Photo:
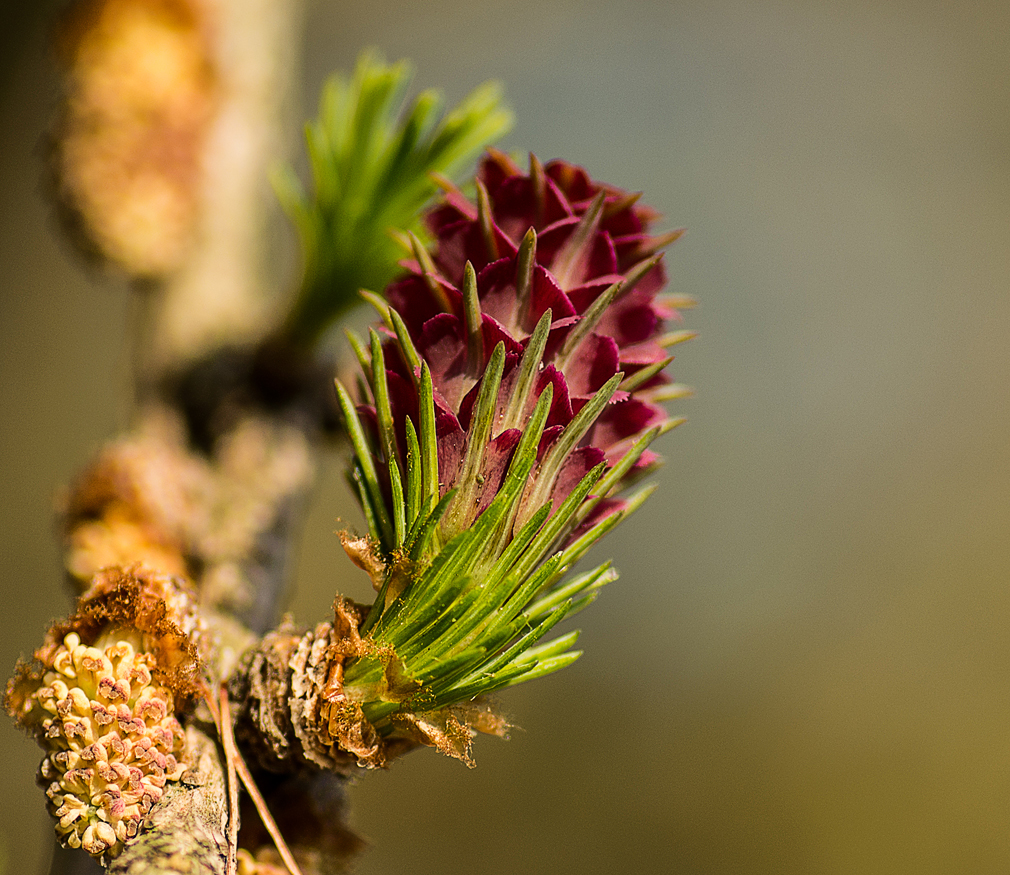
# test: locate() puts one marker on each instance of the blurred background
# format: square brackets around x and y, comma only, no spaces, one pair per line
[804,665]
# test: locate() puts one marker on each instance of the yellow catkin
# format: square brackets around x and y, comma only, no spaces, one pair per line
[111,741]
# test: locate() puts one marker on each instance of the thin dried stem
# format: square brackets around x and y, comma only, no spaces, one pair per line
[235,763]
[230,754]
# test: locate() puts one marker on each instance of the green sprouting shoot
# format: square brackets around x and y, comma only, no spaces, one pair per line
[372,159]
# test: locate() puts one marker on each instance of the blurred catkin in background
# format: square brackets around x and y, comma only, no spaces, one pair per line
[803,667]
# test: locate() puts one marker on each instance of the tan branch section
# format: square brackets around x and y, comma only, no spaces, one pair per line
[148,498]
[161,161]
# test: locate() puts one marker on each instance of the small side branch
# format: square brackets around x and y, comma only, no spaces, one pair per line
[237,767]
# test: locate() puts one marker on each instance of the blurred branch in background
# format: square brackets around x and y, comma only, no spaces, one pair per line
[174,113]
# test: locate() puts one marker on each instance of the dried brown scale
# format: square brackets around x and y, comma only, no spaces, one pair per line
[291,712]
[159,607]
[259,688]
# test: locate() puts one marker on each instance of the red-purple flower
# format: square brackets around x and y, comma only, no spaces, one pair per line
[590,262]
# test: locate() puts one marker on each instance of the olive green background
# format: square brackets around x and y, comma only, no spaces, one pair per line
[803,668]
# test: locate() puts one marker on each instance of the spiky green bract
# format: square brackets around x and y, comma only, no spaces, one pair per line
[372,163]
[470,616]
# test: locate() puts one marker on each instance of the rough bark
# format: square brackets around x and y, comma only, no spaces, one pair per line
[186,832]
